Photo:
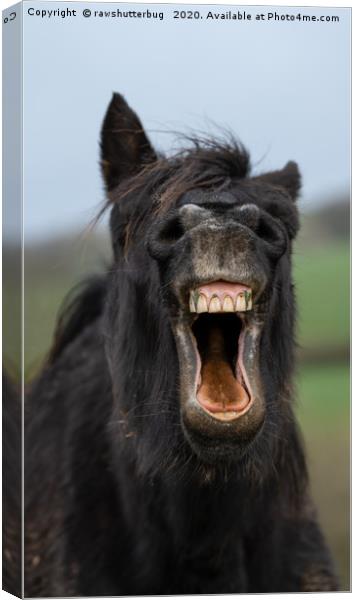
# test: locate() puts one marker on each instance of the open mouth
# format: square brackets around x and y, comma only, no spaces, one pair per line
[222,386]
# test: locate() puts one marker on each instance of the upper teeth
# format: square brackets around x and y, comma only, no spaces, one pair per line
[240,302]
[201,305]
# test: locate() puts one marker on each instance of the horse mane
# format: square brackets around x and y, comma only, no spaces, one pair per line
[205,163]
[81,307]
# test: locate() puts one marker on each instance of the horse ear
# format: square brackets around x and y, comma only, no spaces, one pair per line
[125,148]
[288,178]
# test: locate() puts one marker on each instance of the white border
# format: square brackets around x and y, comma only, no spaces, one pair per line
[307,3]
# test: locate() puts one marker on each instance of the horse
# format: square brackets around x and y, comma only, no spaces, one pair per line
[162,452]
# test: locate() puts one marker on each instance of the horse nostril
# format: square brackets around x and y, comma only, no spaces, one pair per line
[171,232]
[164,237]
[269,231]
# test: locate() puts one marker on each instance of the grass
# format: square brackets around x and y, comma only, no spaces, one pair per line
[42,305]
[323,410]
[323,391]
[322,284]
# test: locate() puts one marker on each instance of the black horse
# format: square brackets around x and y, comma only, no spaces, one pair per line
[162,452]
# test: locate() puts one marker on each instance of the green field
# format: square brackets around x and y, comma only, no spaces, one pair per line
[322,283]
[323,403]
[323,408]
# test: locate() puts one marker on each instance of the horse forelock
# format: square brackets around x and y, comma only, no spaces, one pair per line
[207,163]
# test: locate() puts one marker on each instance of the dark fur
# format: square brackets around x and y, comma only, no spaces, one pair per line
[118,501]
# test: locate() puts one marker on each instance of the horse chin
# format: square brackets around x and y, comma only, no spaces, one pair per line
[221,394]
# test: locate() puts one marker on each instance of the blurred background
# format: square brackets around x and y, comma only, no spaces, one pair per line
[284,89]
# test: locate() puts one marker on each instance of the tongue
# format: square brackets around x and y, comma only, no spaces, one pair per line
[220,392]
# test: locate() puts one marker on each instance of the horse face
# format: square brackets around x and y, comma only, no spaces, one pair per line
[221,259]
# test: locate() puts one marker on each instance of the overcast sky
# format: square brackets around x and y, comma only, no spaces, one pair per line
[281,86]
